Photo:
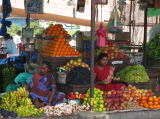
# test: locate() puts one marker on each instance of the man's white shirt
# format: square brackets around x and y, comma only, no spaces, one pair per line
[17,39]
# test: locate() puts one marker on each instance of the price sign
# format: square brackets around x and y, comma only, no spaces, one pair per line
[27,32]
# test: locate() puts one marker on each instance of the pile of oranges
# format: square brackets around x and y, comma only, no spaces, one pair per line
[150,102]
[59,47]
[55,30]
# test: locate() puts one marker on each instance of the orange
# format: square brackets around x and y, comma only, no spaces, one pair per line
[156,103]
[154,106]
[151,106]
[155,99]
[143,98]
[150,99]
[150,103]
[141,104]
[59,49]
[67,49]
[146,106]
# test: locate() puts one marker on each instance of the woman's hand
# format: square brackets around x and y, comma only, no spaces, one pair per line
[116,79]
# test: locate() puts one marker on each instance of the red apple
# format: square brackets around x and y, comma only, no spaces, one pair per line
[152,94]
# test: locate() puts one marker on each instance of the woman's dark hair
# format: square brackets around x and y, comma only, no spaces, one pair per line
[48,64]
[8,36]
[101,56]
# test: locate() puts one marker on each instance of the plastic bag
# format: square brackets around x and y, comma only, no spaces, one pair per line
[61,77]
[153,12]
[12,87]
[153,31]
[23,78]
[157,85]
[114,24]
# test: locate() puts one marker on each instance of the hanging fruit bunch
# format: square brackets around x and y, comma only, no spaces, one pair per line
[9,74]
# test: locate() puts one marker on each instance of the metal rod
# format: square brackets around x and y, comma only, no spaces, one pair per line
[28,57]
[145,37]
[130,15]
[92,52]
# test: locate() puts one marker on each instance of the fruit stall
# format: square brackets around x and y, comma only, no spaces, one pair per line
[72,71]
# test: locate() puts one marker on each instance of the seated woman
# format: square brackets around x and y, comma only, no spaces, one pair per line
[104,75]
[43,89]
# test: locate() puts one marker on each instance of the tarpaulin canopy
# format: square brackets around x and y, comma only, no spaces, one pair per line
[54,17]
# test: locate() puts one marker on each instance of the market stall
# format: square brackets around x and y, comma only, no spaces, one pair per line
[74,76]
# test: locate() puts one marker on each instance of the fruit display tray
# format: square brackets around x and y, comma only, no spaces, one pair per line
[50,37]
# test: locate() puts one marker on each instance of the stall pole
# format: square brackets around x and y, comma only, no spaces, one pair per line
[28,40]
[145,37]
[92,53]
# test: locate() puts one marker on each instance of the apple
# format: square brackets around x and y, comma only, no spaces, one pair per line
[152,94]
[118,91]
[117,108]
[149,90]
[113,92]
[133,91]
[132,94]
[120,95]
[120,108]
[109,92]
[71,61]
[148,94]
[129,86]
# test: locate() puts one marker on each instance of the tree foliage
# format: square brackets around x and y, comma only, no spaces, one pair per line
[13,29]
[37,27]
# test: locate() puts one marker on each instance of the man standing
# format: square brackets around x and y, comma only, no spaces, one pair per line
[11,49]
[17,39]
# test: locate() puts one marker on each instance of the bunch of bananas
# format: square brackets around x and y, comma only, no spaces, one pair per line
[25,101]
[9,74]
[153,47]
[29,110]
[20,102]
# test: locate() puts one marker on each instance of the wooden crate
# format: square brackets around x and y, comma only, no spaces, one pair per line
[153,72]
[152,62]
[72,88]
[143,85]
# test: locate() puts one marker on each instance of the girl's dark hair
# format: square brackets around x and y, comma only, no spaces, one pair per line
[101,56]
[8,36]
[48,64]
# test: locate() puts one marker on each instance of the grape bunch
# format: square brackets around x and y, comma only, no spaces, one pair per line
[78,76]
[133,74]
[7,114]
